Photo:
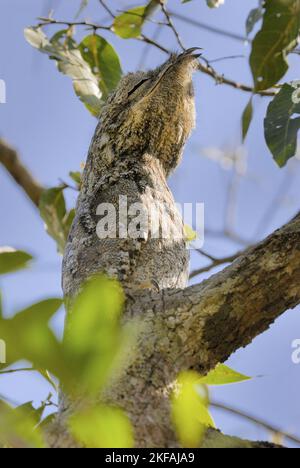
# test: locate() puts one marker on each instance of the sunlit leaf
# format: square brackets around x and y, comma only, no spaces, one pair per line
[190,412]
[66,53]
[18,428]
[222,375]
[95,343]
[129,24]
[47,422]
[190,234]
[282,123]
[103,60]
[28,336]
[57,220]
[102,427]
[12,260]
[76,177]
[247,119]
[277,37]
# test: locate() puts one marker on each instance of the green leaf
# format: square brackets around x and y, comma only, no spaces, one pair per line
[190,234]
[103,60]
[277,37]
[13,260]
[130,23]
[96,345]
[28,336]
[67,55]
[247,119]
[190,412]
[18,428]
[76,177]
[254,17]
[282,124]
[46,422]
[102,427]
[34,413]
[57,220]
[222,375]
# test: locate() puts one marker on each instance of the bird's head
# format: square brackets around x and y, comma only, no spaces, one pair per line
[154,111]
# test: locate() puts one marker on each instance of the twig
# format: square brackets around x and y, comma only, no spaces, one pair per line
[207,69]
[229,234]
[49,21]
[9,159]
[255,420]
[14,371]
[144,18]
[147,49]
[150,41]
[221,79]
[106,7]
[209,28]
[171,24]
[214,263]
[229,57]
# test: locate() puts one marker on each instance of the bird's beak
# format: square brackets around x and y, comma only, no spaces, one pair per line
[190,53]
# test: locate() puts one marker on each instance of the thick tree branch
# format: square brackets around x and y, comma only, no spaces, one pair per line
[58,437]
[10,160]
[215,439]
[201,326]
[204,324]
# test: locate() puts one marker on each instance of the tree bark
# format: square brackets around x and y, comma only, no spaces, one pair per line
[203,325]
[194,328]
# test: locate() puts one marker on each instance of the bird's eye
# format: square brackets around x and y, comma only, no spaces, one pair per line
[137,86]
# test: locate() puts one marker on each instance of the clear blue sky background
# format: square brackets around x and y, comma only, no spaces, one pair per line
[52,131]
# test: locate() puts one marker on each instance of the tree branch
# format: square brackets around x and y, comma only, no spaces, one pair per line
[215,439]
[214,263]
[221,79]
[207,68]
[255,420]
[10,160]
[204,324]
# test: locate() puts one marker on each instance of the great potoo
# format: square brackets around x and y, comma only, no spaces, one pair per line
[138,142]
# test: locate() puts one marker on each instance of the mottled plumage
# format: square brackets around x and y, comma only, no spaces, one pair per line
[139,140]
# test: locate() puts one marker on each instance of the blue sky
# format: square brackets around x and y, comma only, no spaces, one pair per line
[51,129]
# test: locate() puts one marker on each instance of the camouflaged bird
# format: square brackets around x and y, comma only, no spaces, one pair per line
[138,142]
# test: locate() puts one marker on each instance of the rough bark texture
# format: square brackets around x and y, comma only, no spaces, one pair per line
[203,325]
[139,140]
